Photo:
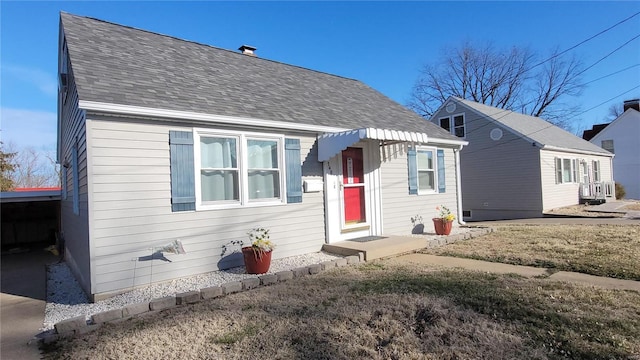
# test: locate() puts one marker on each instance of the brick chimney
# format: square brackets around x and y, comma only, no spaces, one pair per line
[631,104]
[247,50]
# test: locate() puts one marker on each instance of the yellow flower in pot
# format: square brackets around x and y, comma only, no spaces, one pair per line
[444,221]
[257,256]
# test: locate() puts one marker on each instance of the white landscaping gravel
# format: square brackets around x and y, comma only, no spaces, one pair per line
[65,298]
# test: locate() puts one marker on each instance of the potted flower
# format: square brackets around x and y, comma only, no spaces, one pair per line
[444,221]
[257,256]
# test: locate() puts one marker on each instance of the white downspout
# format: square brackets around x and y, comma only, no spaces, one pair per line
[458,185]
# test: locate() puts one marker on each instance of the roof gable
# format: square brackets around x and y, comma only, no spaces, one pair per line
[531,128]
[628,118]
[126,66]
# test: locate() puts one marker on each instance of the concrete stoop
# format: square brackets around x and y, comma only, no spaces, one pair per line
[80,325]
[396,245]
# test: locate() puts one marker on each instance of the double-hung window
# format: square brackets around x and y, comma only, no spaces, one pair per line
[426,170]
[454,124]
[596,170]
[566,170]
[238,169]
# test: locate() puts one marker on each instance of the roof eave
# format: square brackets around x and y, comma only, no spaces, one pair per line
[577,151]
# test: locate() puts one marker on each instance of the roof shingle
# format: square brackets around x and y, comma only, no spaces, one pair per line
[122,65]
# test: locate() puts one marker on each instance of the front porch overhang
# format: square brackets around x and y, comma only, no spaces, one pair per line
[331,144]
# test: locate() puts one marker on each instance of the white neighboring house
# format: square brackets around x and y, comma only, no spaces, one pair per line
[519,166]
[164,139]
[622,137]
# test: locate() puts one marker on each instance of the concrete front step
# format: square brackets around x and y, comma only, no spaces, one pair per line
[396,245]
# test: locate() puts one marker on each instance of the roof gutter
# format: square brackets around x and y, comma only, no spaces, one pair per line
[188,115]
[578,151]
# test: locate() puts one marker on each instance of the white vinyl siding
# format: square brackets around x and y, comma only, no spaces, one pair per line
[398,206]
[131,210]
[74,208]
[556,195]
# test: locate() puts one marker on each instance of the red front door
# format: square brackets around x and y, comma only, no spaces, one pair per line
[353,186]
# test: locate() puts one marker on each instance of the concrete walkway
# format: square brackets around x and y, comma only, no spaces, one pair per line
[22,302]
[526,271]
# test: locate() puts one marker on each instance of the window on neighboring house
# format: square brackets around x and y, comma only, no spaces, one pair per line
[596,170]
[458,126]
[445,123]
[239,169]
[608,145]
[454,125]
[75,180]
[566,170]
[426,170]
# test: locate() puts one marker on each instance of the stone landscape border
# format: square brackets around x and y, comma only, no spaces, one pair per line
[79,324]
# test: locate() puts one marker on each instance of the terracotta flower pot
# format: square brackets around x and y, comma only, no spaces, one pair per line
[256,262]
[442,227]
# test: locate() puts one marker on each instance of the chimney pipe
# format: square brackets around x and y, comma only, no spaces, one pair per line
[631,104]
[247,50]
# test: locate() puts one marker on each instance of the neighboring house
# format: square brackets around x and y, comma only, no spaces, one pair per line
[519,166]
[622,137]
[164,139]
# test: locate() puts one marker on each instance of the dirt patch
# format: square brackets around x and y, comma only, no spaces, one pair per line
[633,206]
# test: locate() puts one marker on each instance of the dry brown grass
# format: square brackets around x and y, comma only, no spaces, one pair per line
[382,311]
[603,250]
[634,206]
[582,211]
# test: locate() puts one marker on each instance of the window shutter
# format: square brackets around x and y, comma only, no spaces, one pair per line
[183,191]
[413,172]
[441,177]
[294,170]
[558,163]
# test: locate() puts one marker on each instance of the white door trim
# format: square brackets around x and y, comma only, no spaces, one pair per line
[334,212]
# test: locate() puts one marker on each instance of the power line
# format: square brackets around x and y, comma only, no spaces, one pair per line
[584,41]
[609,54]
[613,73]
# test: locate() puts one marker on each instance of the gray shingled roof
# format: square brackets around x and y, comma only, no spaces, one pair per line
[534,128]
[122,65]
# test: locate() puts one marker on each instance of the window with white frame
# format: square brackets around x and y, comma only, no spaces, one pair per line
[426,170]
[566,170]
[239,169]
[596,170]
[454,124]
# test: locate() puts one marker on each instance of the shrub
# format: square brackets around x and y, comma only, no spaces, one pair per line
[620,193]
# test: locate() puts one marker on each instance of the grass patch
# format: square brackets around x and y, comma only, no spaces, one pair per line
[382,312]
[602,250]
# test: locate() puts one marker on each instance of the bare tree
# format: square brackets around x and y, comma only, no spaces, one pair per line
[34,168]
[8,166]
[510,79]
[614,112]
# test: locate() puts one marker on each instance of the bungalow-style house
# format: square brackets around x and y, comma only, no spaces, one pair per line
[163,139]
[519,166]
[622,137]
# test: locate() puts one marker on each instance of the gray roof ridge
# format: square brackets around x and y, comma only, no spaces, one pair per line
[207,45]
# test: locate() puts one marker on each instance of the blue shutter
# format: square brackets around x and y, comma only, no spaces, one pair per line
[183,191]
[441,177]
[294,170]
[413,172]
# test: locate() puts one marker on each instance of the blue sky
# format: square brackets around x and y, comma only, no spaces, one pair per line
[383,44]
